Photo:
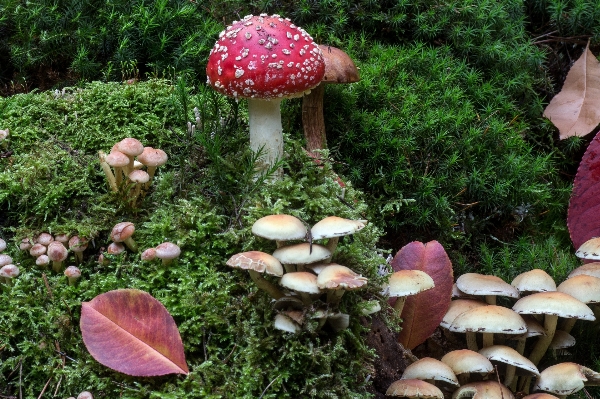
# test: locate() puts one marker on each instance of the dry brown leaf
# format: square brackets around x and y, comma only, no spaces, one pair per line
[575,111]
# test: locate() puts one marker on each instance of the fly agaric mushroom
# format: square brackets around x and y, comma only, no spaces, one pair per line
[167,252]
[265,59]
[339,68]
[122,232]
[257,263]
[152,158]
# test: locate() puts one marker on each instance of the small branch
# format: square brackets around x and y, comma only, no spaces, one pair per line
[268,386]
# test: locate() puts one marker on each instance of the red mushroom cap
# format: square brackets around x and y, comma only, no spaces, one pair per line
[264,57]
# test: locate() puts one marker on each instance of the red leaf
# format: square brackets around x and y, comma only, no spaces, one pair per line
[584,207]
[423,312]
[131,332]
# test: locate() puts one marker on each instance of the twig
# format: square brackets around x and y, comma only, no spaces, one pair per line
[268,386]
[545,34]
[47,285]
[21,379]
[44,389]
[230,353]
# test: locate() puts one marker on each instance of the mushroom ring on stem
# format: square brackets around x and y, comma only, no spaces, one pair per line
[265,59]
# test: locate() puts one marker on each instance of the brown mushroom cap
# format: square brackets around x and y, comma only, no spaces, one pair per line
[467,361]
[489,319]
[122,231]
[148,254]
[44,239]
[339,67]
[300,282]
[334,226]
[37,250]
[481,284]
[508,355]
[413,388]
[153,157]
[591,269]
[115,248]
[300,254]
[72,272]
[9,271]
[409,282]
[337,276]
[279,227]
[167,251]
[459,306]
[260,262]
[583,287]
[535,280]
[553,303]
[483,390]
[57,252]
[565,378]
[78,244]
[428,368]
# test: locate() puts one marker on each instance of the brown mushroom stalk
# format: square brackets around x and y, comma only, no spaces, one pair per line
[264,285]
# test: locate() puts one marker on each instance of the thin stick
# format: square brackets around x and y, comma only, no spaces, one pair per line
[44,389]
[268,386]
[21,379]
[47,285]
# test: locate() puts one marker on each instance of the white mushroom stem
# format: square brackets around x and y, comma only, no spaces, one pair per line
[265,285]
[335,295]
[108,172]
[131,244]
[488,339]
[568,325]
[490,299]
[118,176]
[331,246]
[472,341]
[150,170]
[266,132]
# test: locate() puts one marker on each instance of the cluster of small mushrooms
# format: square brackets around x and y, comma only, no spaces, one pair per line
[308,280]
[503,334]
[127,159]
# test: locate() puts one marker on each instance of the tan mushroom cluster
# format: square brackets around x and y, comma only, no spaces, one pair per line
[537,306]
[124,165]
[308,280]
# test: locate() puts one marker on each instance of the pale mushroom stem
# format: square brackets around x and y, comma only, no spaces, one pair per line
[399,305]
[136,193]
[131,244]
[568,325]
[265,285]
[520,348]
[107,171]
[509,378]
[331,246]
[150,170]
[544,341]
[57,266]
[266,132]
[118,176]
[472,341]
[488,339]
[490,299]
[335,295]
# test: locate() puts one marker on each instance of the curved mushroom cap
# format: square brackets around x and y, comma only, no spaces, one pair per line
[72,272]
[139,176]
[41,260]
[590,269]
[318,267]
[413,388]
[2,245]
[57,252]
[535,280]
[5,260]
[562,340]
[148,254]
[258,261]
[300,282]
[565,378]
[85,395]
[483,390]
[37,249]
[9,271]
[25,244]
[300,254]
[44,239]
[554,303]
[489,319]
[153,157]
[482,284]
[78,244]
[117,159]
[340,277]
[122,231]
[339,67]
[285,323]
[115,248]
[540,395]
[534,328]
[167,250]
[333,226]
[583,287]
[467,361]
[264,57]
[279,227]
[508,355]
[589,249]
[459,306]
[130,147]
[409,282]
[428,368]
